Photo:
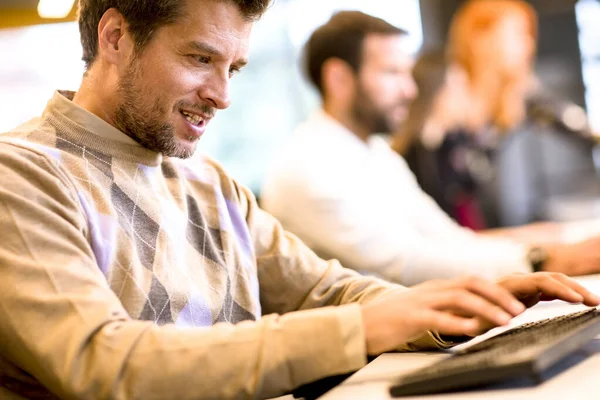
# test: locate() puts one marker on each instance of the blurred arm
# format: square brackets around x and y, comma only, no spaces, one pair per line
[407,242]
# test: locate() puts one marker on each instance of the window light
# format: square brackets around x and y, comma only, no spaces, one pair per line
[55,8]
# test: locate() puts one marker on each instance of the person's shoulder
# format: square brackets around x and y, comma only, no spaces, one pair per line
[383,145]
[383,148]
[35,136]
[36,163]
[20,148]
[316,131]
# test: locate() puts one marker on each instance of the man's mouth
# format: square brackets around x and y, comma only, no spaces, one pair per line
[192,118]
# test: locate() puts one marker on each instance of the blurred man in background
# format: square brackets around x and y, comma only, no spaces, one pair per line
[487,69]
[343,191]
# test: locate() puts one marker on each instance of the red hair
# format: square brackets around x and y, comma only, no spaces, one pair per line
[502,90]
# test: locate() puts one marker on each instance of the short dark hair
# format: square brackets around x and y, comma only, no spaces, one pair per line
[342,37]
[144,17]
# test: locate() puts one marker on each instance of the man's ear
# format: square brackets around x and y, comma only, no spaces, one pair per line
[115,44]
[338,77]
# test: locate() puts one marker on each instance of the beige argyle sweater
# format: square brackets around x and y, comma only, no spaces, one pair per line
[128,275]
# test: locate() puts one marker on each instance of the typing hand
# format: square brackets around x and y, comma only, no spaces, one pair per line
[457,307]
[542,286]
[461,307]
[530,289]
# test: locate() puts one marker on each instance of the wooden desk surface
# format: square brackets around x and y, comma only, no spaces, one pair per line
[577,377]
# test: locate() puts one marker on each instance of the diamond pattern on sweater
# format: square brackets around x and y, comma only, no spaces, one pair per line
[158,306]
[232,311]
[140,228]
[205,240]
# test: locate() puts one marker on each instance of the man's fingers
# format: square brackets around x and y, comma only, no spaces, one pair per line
[552,287]
[449,324]
[493,293]
[588,298]
[463,302]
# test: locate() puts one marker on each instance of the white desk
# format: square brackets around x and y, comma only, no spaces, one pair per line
[577,377]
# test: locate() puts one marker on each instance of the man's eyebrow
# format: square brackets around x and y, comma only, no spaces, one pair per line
[241,63]
[213,51]
[205,48]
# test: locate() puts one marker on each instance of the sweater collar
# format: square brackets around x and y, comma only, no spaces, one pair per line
[62,102]
[93,132]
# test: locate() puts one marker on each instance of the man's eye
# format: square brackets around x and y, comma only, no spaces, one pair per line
[202,59]
[233,71]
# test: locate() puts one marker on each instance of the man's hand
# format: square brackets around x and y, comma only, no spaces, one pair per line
[581,258]
[529,289]
[461,307]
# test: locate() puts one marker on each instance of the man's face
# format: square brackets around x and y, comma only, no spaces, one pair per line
[384,84]
[169,92]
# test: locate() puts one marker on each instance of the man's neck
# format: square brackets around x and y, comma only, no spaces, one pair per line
[94,96]
[348,121]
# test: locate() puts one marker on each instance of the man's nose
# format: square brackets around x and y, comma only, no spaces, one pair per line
[216,92]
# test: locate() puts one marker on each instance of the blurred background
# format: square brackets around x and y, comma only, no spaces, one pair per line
[544,172]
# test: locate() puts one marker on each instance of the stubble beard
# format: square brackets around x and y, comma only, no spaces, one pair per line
[365,112]
[147,125]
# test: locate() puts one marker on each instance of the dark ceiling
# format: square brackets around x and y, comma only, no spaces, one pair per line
[14,4]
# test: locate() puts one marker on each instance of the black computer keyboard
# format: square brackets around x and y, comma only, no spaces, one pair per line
[527,349]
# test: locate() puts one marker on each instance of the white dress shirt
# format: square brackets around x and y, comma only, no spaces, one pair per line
[360,203]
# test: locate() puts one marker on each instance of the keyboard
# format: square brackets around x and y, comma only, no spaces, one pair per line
[526,350]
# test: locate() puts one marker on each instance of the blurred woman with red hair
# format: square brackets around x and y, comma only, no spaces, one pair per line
[483,81]
[494,43]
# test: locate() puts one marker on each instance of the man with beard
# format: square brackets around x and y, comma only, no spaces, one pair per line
[128,272]
[347,195]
